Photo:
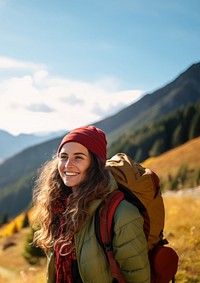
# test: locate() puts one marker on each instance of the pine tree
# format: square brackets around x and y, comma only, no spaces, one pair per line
[3,218]
[194,127]
[32,253]
[157,148]
[25,221]
[178,136]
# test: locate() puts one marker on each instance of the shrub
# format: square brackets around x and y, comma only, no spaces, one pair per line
[32,253]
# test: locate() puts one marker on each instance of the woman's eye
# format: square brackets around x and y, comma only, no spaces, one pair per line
[79,157]
[63,157]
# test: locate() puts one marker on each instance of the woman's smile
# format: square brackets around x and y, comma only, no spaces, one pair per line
[71,174]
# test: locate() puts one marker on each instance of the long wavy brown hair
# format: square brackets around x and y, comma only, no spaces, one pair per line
[56,206]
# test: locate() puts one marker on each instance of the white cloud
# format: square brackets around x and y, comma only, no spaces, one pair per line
[9,63]
[39,76]
[37,102]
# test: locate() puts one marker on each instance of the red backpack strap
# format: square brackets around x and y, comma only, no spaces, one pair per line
[106,216]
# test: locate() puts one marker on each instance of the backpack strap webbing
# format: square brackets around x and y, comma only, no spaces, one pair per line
[106,216]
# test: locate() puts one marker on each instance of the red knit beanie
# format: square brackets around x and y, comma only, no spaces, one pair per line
[91,137]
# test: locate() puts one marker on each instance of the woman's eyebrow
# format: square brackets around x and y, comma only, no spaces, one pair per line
[63,153]
[78,153]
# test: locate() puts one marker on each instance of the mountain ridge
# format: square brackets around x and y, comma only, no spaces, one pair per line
[11,144]
[165,98]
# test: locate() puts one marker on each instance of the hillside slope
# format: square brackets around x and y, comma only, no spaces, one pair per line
[170,162]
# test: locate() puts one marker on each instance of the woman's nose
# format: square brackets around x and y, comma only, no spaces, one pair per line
[69,163]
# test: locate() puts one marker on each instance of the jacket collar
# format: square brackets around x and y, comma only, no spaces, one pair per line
[95,203]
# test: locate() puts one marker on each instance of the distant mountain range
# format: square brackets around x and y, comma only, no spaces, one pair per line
[10,144]
[17,173]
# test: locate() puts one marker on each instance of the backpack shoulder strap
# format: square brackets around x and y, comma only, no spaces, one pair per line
[104,222]
[107,214]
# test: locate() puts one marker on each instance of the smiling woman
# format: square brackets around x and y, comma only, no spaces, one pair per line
[69,190]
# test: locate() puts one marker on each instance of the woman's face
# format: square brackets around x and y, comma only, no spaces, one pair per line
[74,160]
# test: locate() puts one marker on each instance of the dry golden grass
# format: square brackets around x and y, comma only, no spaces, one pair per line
[13,267]
[171,161]
[182,229]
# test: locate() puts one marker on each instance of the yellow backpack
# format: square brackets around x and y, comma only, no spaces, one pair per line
[139,186]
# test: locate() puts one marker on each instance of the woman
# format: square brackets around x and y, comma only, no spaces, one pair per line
[68,191]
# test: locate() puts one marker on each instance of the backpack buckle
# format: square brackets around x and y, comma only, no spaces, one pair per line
[108,246]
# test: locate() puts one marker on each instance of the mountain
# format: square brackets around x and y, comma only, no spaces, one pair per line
[185,89]
[18,173]
[157,137]
[10,144]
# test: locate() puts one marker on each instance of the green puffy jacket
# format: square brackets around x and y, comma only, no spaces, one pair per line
[129,244]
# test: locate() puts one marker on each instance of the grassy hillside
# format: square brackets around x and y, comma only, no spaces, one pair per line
[13,267]
[170,162]
[183,232]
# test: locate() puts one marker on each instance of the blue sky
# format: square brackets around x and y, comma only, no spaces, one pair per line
[68,63]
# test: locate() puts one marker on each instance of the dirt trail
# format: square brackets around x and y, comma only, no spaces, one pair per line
[195,193]
[6,274]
